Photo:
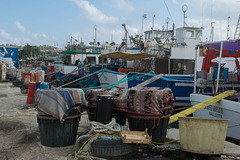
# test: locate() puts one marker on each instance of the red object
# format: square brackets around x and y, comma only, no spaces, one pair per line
[26,74]
[37,76]
[120,70]
[125,70]
[31,89]
[130,70]
[50,72]
[211,54]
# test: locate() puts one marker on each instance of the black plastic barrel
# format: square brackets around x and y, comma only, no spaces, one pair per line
[56,134]
[91,113]
[104,109]
[120,117]
[157,127]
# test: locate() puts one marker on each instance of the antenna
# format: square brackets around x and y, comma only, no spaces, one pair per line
[167,21]
[228,28]
[211,33]
[95,36]
[143,17]
[184,9]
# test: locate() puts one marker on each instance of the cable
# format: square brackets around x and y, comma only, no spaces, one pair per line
[172,141]
[168,10]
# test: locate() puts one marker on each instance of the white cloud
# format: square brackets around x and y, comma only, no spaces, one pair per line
[5,35]
[175,2]
[20,26]
[95,14]
[123,5]
[44,35]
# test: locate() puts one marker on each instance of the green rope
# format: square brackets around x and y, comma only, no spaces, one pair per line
[115,84]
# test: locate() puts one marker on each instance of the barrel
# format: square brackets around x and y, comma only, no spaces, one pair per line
[44,85]
[31,90]
[53,133]
[104,109]
[120,117]
[156,125]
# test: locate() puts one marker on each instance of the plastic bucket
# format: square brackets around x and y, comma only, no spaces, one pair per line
[156,125]
[104,109]
[202,135]
[56,134]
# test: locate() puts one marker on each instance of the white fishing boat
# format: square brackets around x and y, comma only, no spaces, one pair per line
[228,108]
[224,109]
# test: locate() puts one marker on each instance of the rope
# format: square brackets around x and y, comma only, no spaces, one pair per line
[109,128]
[148,117]
[172,141]
[97,129]
[81,78]
[149,81]
[89,141]
[75,70]
[69,117]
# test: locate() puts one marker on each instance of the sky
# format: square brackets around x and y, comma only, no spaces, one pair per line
[53,22]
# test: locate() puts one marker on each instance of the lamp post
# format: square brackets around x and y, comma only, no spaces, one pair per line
[143,17]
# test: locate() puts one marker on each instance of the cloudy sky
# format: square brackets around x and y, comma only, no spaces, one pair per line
[53,22]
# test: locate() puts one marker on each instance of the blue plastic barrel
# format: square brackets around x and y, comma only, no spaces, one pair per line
[44,85]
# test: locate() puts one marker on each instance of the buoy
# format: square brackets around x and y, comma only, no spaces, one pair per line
[120,70]
[125,70]
[148,43]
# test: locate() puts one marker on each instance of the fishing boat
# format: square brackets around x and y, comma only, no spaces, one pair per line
[228,108]
[160,55]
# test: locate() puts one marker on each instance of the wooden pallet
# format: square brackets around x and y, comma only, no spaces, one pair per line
[139,137]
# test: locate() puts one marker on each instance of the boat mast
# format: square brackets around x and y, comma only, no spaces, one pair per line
[184,9]
[143,17]
[152,30]
[167,21]
[95,35]
[125,36]
[228,29]
[219,66]
[211,33]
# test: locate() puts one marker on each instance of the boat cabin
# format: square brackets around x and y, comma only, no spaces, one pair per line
[160,36]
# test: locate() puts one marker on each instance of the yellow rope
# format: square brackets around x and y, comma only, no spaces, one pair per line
[172,141]
[89,140]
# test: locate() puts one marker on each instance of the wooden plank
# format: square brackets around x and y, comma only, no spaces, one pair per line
[201,105]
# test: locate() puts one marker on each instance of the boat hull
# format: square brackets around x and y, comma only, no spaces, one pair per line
[224,109]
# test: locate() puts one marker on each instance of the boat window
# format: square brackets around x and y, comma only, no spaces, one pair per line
[102,60]
[198,34]
[189,34]
[150,36]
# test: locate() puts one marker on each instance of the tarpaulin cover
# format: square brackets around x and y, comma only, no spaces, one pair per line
[127,56]
[147,100]
[59,102]
[227,45]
